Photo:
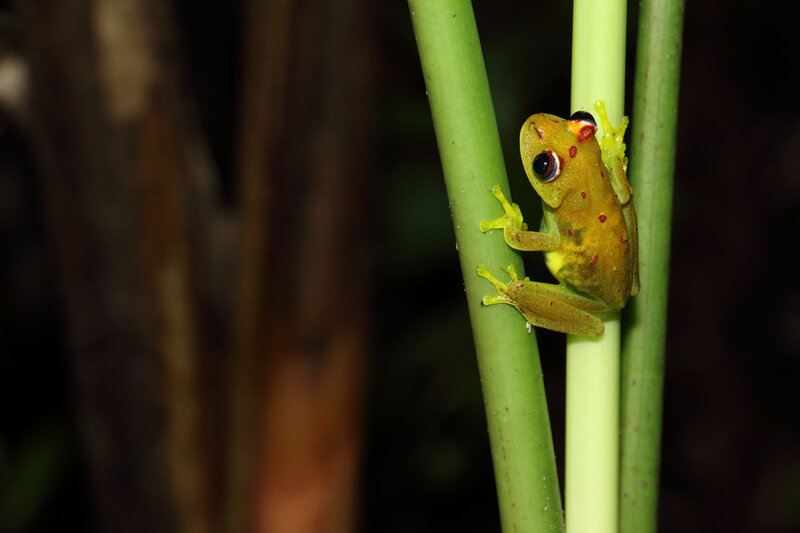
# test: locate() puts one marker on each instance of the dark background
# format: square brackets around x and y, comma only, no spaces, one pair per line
[731,444]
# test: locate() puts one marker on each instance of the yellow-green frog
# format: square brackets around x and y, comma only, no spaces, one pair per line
[588,232]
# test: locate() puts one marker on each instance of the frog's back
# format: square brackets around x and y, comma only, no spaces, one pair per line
[593,254]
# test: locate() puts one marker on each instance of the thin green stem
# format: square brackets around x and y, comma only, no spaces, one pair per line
[592,410]
[592,441]
[598,56]
[655,111]
[511,376]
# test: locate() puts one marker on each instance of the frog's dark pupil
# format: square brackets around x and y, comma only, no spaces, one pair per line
[583,115]
[542,164]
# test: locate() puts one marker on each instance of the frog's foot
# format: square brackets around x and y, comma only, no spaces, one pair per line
[611,143]
[512,215]
[502,288]
[499,285]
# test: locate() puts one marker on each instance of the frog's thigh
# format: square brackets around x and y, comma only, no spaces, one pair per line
[554,307]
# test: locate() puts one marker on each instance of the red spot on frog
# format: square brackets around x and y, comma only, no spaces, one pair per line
[586,133]
[602,218]
[569,232]
[583,194]
[551,302]
[540,133]
[573,151]
[594,259]
[623,240]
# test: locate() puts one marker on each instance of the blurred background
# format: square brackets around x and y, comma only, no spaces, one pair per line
[230,293]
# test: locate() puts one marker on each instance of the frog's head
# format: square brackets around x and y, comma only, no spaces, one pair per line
[556,153]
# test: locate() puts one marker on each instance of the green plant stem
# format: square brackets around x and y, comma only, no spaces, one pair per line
[592,441]
[655,113]
[511,376]
[598,56]
[592,410]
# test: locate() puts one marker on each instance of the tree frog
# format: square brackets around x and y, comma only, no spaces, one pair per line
[588,232]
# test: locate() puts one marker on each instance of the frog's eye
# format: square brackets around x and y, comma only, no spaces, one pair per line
[582,124]
[546,165]
[583,116]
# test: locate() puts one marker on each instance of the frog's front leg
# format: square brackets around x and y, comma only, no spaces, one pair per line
[515,231]
[612,146]
[613,150]
[547,305]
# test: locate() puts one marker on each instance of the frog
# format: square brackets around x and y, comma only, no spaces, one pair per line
[588,232]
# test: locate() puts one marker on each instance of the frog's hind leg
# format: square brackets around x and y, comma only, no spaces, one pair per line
[560,309]
[547,305]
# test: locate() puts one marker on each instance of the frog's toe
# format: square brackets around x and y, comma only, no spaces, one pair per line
[498,223]
[483,272]
[512,272]
[497,299]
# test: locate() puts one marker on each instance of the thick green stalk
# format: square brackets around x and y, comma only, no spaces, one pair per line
[592,409]
[511,376]
[655,113]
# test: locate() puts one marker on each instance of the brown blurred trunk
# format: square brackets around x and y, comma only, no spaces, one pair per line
[302,322]
[121,178]
[134,227]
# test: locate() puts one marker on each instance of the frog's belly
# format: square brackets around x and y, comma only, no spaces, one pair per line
[598,273]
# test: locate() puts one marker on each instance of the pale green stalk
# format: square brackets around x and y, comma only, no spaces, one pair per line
[655,115]
[592,409]
[592,440]
[511,376]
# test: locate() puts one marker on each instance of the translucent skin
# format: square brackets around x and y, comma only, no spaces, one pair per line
[595,254]
[588,232]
